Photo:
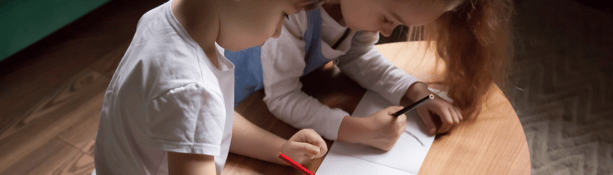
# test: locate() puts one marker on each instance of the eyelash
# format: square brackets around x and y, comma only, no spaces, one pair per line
[385,20]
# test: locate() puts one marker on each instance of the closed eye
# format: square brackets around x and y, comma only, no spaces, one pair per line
[385,20]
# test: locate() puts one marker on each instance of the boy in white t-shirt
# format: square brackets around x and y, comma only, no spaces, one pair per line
[169,106]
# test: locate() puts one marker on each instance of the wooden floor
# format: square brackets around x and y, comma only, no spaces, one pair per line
[51,92]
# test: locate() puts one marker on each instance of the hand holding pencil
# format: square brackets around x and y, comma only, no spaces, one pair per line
[381,130]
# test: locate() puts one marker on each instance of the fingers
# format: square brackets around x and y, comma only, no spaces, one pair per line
[392,109]
[454,116]
[300,152]
[310,150]
[321,144]
[459,112]
[322,149]
[446,119]
[400,122]
[427,118]
[401,125]
[311,137]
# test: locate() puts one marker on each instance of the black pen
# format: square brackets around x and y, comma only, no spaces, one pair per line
[414,105]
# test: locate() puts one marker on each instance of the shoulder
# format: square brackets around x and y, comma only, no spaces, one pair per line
[166,60]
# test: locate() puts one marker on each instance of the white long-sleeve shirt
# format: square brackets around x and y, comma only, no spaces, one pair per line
[283,64]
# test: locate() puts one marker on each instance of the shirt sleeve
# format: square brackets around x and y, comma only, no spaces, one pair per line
[365,65]
[283,64]
[187,119]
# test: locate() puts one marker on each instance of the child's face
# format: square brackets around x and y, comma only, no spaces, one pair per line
[384,15]
[252,22]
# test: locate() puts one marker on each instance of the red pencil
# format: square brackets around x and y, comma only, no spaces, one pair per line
[295,165]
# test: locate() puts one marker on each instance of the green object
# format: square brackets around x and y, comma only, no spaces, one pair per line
[23,22]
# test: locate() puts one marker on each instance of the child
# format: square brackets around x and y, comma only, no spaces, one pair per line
[168,108]
[471,38]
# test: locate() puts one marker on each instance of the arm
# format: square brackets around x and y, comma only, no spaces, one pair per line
[183,163]
[248,140]
[170,126]
[283,64]
[364,64]
[253,141]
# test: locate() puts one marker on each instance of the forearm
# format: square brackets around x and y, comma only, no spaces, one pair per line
[252,141]
[415,92]
[373,72]
[302,111]
[352,129]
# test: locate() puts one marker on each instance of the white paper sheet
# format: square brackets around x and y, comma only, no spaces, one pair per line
[404,159]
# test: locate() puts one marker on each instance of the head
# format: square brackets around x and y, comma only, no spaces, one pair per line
[385,15]
[248,23]
[472,38]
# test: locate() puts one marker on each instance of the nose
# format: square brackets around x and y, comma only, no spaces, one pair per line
[386,31]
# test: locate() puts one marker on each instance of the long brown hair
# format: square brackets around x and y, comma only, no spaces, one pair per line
[474,42]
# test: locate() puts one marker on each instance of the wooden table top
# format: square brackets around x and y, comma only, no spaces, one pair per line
[494,143]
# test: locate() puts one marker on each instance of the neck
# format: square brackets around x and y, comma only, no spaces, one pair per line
[201,21]
[333,8]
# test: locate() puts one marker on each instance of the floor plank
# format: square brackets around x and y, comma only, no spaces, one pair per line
[107,63]
[82,134]
[53,157]
[40,68]
[82,165]
[78,98]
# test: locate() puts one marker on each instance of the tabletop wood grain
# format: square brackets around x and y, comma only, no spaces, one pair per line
[493,143]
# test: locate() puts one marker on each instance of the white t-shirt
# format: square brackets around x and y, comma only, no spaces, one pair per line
[165,95]
[283,65]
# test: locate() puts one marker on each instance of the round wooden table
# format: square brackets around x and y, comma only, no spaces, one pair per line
[494,143]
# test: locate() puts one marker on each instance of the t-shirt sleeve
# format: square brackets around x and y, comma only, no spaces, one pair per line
[187,119]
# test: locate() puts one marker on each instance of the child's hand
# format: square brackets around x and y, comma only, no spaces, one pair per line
[449,115]
[442,109]
[304,146]
[384,129]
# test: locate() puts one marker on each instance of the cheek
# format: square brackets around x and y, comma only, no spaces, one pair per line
[264,30]
[238,37]
[256,33]
[362,22]
[359,19]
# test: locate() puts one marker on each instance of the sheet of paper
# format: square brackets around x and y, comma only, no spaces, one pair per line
[405,158]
